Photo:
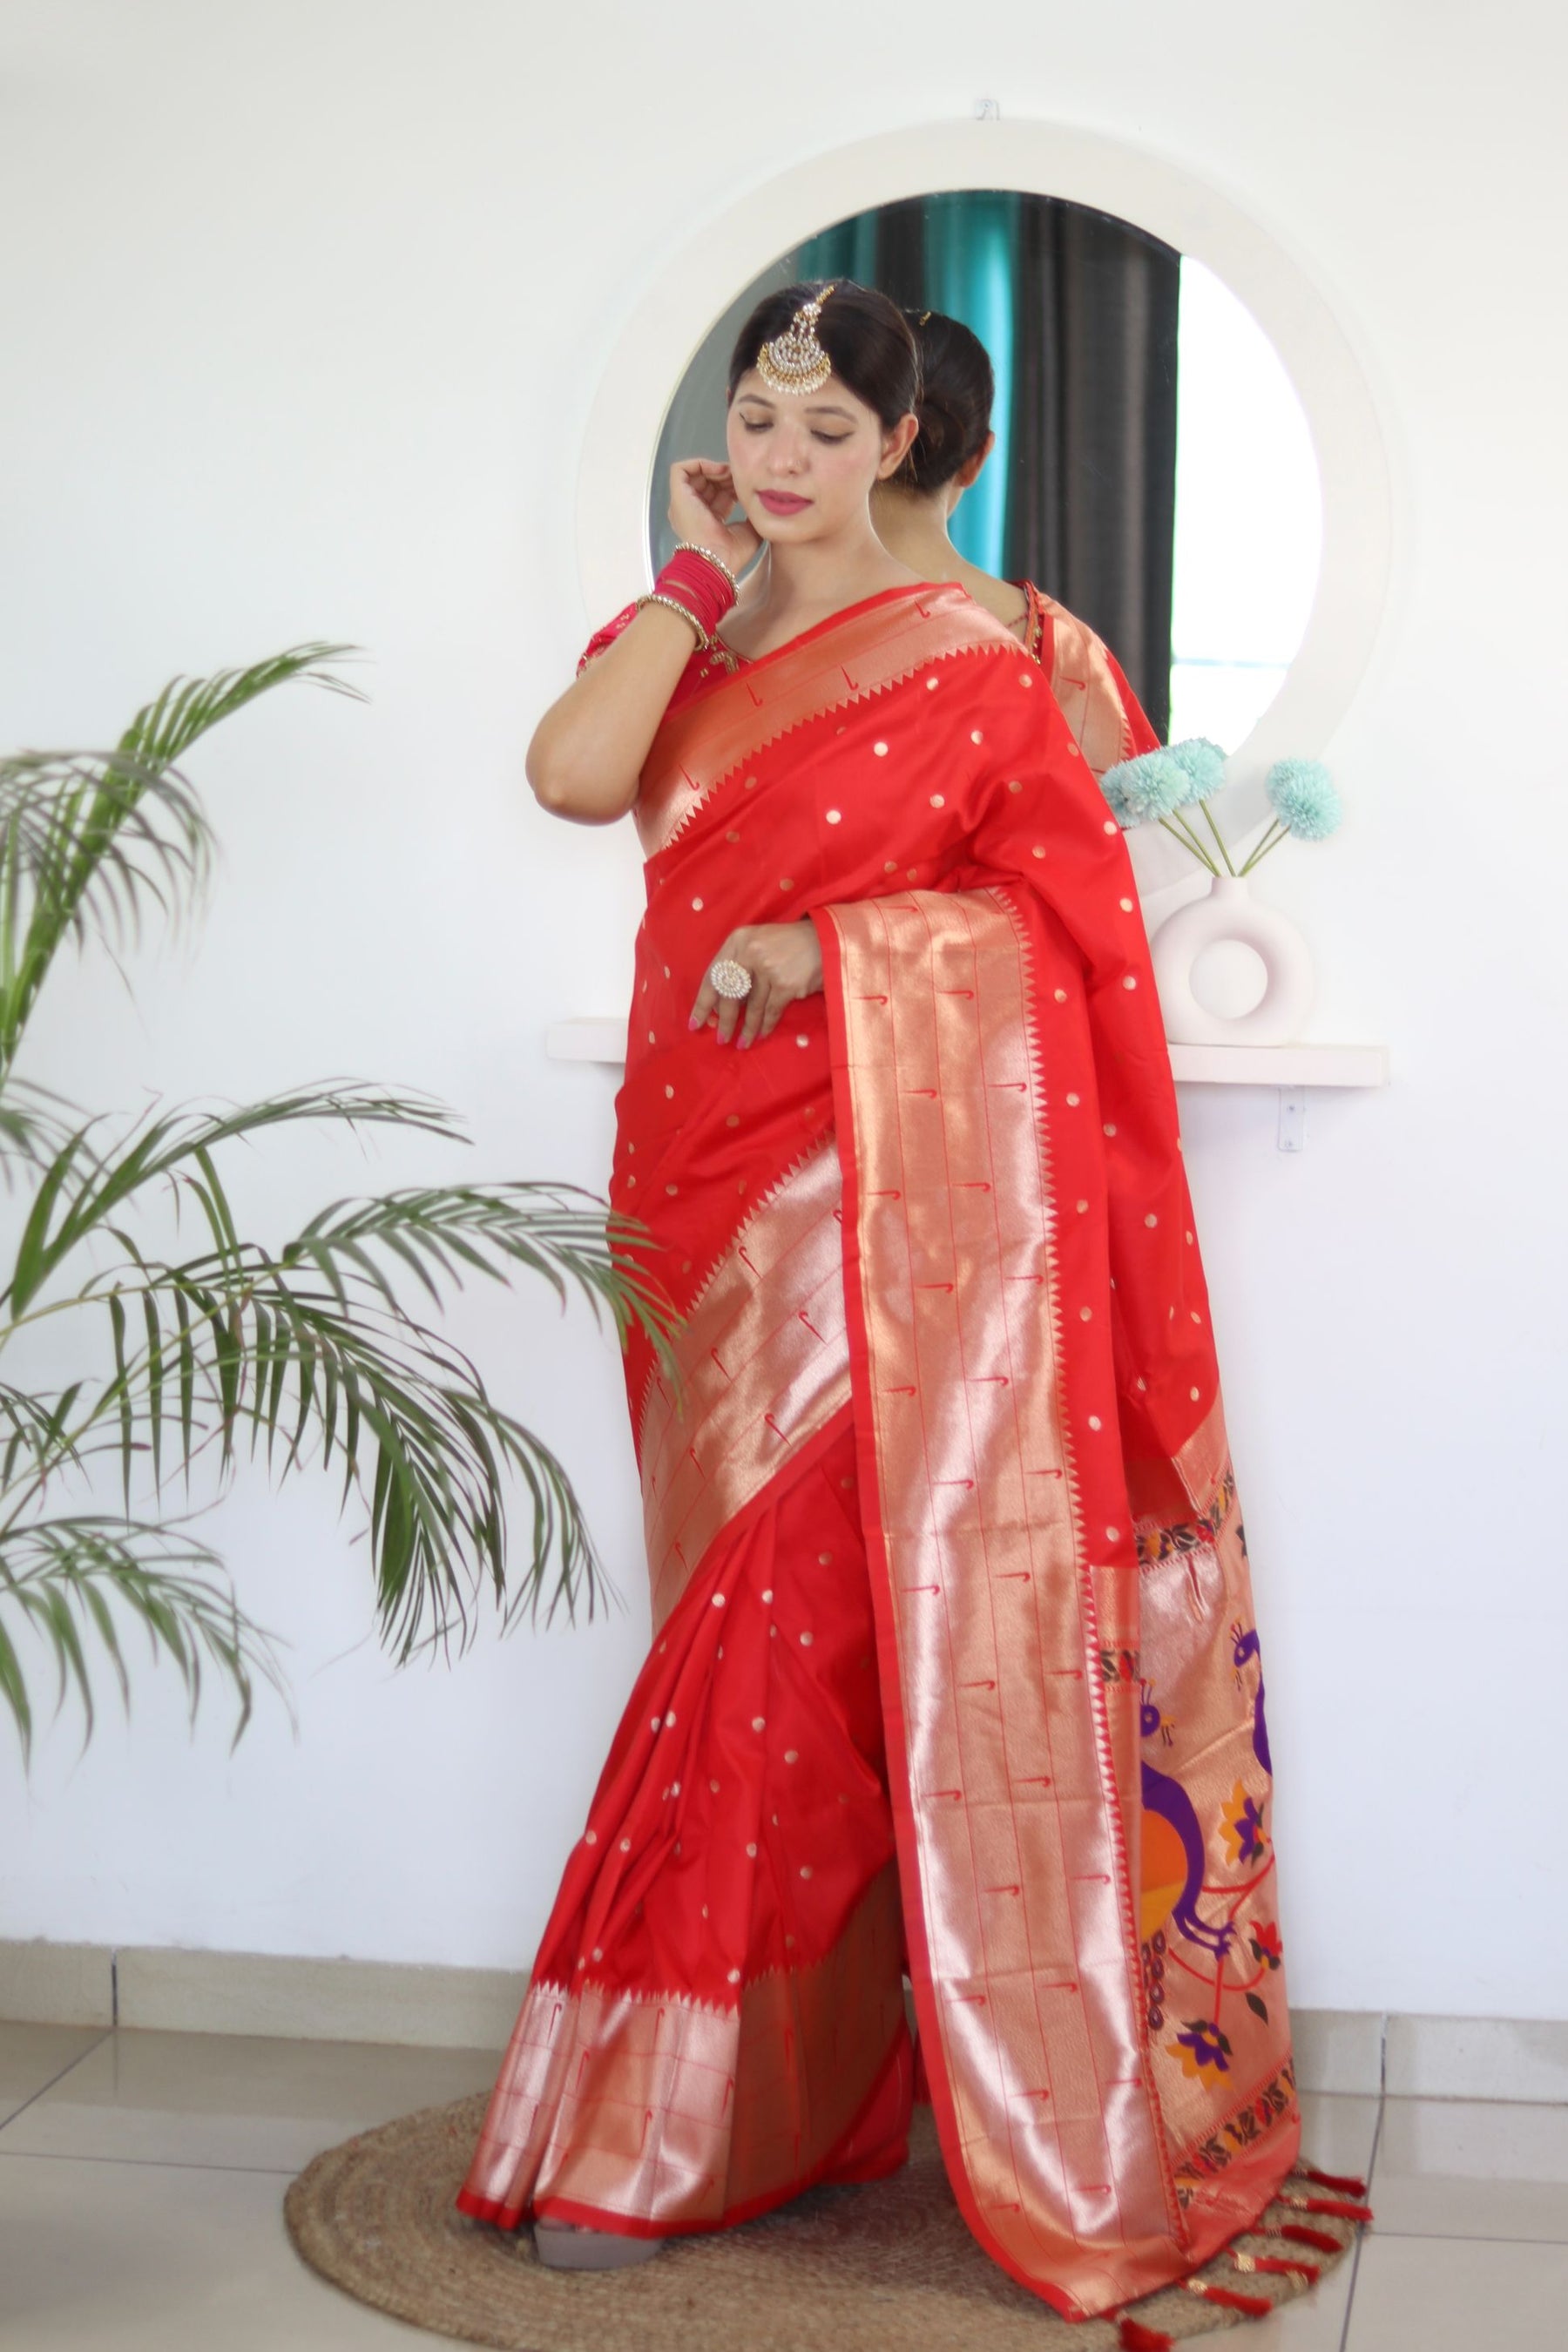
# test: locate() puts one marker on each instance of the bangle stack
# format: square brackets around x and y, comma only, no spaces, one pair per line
[700,586]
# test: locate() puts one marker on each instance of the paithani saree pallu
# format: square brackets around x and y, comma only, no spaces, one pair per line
[955,1666]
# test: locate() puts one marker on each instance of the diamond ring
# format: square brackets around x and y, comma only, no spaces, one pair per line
[730,978]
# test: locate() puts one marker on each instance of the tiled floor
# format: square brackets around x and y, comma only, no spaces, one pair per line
[142,2178]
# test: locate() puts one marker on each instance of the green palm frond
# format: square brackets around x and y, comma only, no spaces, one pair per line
[88,837]
[309,1355]
[489,1228]
[72,1575]
[83,1185]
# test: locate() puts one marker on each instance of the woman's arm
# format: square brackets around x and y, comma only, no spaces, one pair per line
[587,752]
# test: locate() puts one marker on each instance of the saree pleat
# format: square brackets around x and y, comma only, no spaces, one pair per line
[716,2018]
[954,1663]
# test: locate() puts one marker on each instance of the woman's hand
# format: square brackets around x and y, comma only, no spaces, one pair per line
[702,493]
[784,961]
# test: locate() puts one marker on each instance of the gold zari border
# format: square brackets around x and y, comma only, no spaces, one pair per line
[661,2109]
[706,740]
[765,1365]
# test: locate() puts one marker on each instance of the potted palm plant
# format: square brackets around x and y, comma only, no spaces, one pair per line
[309,1355]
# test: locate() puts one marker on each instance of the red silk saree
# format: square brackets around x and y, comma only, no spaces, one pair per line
[955,1666]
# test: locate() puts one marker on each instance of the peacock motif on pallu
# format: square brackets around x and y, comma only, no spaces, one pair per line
[1245,1645]
[1173,1852]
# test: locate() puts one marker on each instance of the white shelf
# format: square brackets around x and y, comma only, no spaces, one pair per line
[1193,1066]
[1279,1066]
[586,1041]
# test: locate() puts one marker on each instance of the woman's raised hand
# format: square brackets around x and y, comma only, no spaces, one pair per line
[702,493]
[784,961]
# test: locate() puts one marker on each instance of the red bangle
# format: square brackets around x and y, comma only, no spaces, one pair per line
[691,580]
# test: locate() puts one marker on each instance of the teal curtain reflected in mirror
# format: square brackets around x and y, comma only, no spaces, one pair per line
[956,253]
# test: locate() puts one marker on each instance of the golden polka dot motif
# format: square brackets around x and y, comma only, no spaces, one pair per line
[880,750]
[937,800]
[1061,996]
[1014,786]
[1085,1314]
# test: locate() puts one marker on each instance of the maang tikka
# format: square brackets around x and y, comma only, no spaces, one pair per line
[795,362]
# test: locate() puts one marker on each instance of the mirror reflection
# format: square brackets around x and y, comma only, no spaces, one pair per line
[1152,468]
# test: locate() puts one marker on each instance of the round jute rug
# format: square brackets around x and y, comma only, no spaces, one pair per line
[889,2267]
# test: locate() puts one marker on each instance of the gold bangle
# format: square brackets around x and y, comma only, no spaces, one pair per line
[673,604]
[690,547]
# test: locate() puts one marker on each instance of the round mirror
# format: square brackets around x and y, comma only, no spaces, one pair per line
[1154,468]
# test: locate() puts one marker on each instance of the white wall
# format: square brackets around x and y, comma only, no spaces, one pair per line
[304,305]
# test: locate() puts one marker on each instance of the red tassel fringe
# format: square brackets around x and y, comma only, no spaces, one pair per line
[1136,2338]
[1300,2235]
[1256,2307]
[1334,2209]
[1280,2266]
[1344,2181]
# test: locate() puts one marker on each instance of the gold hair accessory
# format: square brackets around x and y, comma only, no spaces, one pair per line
[795,362]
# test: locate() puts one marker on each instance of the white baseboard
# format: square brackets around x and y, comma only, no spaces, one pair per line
[304,1999]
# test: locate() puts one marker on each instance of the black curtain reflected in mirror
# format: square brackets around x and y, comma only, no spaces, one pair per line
[1091,498]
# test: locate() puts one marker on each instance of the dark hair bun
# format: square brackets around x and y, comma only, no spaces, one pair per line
[867,338]
[957,388]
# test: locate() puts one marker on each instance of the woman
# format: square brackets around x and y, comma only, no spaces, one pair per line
[941,1523]
[913,509]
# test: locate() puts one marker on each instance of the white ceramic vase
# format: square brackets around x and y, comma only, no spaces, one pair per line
[1229,911]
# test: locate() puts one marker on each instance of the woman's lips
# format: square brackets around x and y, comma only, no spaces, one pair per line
[782,502]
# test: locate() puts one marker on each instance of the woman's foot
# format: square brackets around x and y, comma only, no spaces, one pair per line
[562,2246]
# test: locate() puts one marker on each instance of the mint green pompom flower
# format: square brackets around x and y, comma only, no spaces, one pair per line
[1145,789]
[1302,794]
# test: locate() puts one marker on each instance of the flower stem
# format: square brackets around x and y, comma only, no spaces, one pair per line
[1271,840]
[1189,841]
[1218,836]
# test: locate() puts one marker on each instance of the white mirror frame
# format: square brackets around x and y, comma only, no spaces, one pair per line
[677,309]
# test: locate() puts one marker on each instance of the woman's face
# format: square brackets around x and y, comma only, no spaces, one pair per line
[804,466]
